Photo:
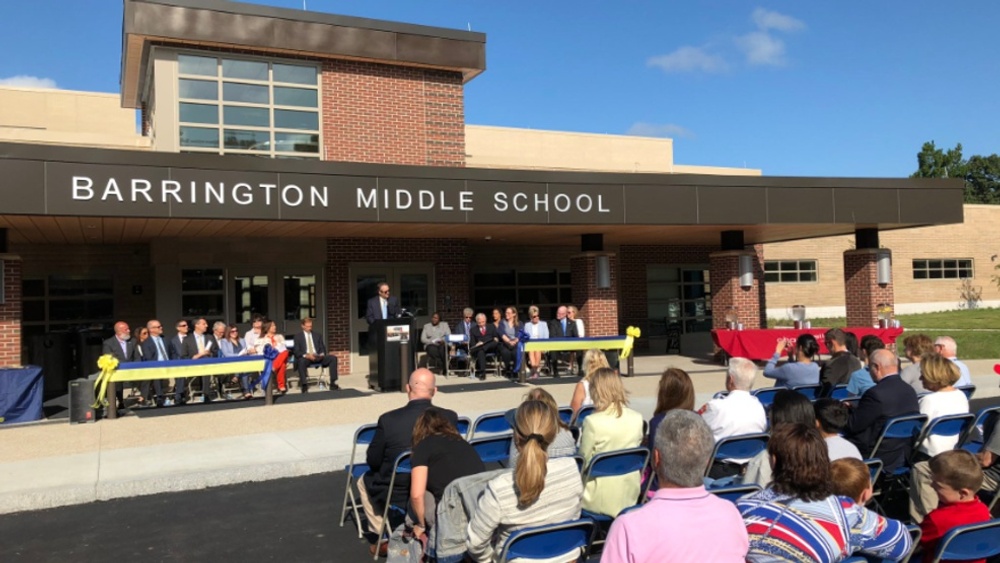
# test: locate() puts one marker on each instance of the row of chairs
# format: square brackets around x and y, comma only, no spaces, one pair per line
[766,394]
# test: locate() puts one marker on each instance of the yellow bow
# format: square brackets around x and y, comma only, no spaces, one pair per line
[631,334]
[108,364]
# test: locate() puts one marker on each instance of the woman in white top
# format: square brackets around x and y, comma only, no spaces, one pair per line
[537,330]
[269,335]
[592,360]
[938,375]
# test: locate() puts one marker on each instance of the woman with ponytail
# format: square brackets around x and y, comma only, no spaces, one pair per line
[539,491]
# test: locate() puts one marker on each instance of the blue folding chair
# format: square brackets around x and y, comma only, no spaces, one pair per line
[490,423]
[810,391]
[744,446]
[401,465]
[362,436]
[566,415]
[956,425]
[613,464]
[970,542]
[766,395]
[841,393]
[582,414]
[463,426]
[732,493]
[906,427]
[721,395]
[973,439]
[493,448]
[874,468]
[969,390]
[550,541]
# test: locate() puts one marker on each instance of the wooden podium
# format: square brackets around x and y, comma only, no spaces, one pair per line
[393,352]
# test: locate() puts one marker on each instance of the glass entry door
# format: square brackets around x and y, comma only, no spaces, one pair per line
[412,284]
[285,295]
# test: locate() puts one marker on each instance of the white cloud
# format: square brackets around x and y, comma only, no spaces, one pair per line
[688,59]
[670,130]
[766,19]
[762,48]
[26,81]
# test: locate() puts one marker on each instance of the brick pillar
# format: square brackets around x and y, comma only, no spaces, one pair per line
[598,306]
[726,290]
[10,311]
[862,292]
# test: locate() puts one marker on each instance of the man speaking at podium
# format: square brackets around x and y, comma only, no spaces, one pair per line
[382,306]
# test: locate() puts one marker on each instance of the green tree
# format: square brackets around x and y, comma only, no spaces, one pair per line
[981,173]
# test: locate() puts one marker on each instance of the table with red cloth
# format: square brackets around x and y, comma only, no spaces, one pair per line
[759,344]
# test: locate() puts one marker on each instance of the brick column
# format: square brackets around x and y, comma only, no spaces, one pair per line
[862,292]
[598,306]
[726,290]
[10,311]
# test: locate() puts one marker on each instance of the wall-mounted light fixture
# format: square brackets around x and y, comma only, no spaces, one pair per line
[746,271]
[603,272]
[883,263]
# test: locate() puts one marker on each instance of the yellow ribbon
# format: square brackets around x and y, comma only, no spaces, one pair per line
[631,334]
[108,364]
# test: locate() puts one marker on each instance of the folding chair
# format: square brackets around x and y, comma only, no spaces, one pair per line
[721,395]
[900,428]
[401,465]
[550,541]
[493,364]
[362,436]
[969,390]
[463,426]
[490,423]
[970,542]
[493,448]
[733,493]
[840,392]
[810,391]
[582,414]
[956,425]
[613,464]
[566,414]
[874,472]
[744,446]
[766,395]
[973,439]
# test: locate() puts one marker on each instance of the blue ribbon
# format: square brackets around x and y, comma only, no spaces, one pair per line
[265,376]
[522,337]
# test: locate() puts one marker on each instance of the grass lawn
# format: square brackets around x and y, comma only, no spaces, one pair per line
[977,332]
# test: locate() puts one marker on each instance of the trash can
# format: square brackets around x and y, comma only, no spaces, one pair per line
[89,343]
[53,351]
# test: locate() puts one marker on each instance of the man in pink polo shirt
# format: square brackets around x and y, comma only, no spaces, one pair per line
[683,521]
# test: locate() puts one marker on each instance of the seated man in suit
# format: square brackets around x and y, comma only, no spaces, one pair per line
[482,340]
[393,436]
[310,350]
[891,397]
[201,345]
[560,327]
[154,349]
[123,349]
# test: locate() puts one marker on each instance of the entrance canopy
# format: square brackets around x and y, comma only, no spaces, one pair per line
[69,195]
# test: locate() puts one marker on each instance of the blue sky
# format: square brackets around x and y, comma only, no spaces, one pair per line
[843,88]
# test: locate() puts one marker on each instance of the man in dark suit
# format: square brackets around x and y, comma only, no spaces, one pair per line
[891,397]
[382,306]
[393,436]
[123,349]
[560,327]
[154,349]
[175,350]
[482,340]
[309,350]
[197,346]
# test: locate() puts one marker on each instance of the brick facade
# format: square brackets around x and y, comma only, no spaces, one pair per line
[726,290]
[391,114]
[451,277]
[862,292]
[598,306]
[10,311]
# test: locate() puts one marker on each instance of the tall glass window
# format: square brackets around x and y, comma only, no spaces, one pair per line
[232,105]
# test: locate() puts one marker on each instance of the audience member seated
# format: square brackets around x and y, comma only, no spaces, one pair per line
[682,522]
[540,490]
[496,318]
[175,350]
[842,363]
[508,334]
[256,323]
[612,426]
[593,360]
[916,346]
[482,341]
[947,347]
[537,329]
[310,350]
[831,419]
[560,327]
[989,456]
[464,327]
[269,336]
[154,349]
[737,413]
[891,397]
[233,346]
[200,345]
[564,444]
[572,314]
[440,455]
[122,348]
[852,479]
[800,369]
[434,337]
[675,391]
[957,476]
[861,380]
[789,407]
[393,436]
[140,335]
[939,376]
[798,518]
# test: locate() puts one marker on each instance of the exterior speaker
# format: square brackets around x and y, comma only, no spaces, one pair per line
[883,268]
[603,272]
[81,401]
[746,271]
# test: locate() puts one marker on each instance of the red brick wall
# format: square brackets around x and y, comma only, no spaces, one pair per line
[726,290]
[598,307]
[392,114]
[451,272]
[862,293]
[10,312]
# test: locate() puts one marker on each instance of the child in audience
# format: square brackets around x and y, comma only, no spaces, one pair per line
[852,479]
[955,476]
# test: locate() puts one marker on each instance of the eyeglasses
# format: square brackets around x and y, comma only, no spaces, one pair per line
[184,325]
[234,330]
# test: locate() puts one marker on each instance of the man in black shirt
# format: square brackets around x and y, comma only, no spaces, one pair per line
[838,369]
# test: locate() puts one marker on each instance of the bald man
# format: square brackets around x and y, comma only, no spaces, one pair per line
[123,349]
[393,436]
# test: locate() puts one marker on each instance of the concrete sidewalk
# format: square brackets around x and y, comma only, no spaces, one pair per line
[50,464]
